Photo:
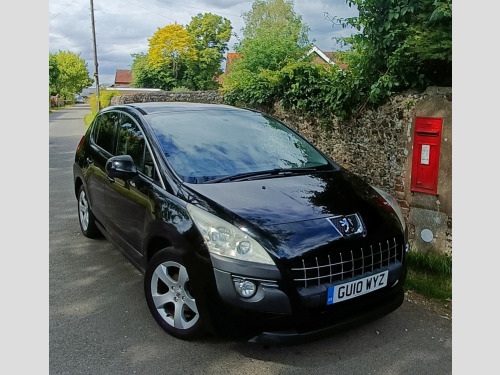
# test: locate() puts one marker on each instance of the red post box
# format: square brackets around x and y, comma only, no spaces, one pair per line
[426,148]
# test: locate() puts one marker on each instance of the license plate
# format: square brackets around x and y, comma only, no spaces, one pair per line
[352,289]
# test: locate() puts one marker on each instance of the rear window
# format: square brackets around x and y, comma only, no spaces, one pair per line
[205,145]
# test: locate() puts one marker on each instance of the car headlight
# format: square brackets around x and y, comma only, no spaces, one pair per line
[223,238]
[394,205]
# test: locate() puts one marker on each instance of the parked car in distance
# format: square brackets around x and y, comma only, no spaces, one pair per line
[238,223]
[79,99]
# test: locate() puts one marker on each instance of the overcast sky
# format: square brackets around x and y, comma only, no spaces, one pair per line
[123,27]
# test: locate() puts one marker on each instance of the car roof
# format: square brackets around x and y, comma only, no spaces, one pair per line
[147,108]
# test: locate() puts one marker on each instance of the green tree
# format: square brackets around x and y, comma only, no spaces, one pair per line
[53,74]
[145,75]
[210,33]
[401,44]
[171,46]
[68,73]
[273,37]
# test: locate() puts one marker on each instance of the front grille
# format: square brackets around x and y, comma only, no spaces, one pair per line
[347,263]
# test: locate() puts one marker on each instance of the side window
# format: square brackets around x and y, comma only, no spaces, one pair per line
[131,142]
[104,130]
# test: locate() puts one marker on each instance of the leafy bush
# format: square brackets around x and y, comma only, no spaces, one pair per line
[301,86]
[180,89]
[104,101]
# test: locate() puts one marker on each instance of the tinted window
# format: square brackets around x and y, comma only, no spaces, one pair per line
[131,142]
[203,145]
[104,130]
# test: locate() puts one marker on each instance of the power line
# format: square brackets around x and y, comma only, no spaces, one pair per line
[63,9]
[149,10]
[197,8]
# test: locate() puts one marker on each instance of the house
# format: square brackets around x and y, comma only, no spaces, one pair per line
[325,58]
[123,78]
[230,58]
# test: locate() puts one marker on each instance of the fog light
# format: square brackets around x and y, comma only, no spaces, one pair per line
[245,288]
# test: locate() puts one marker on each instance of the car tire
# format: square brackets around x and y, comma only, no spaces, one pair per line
[85,215]
[169,295]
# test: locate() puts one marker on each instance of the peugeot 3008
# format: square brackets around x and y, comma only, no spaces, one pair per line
[238,223]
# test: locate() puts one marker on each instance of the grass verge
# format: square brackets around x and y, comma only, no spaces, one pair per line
[430,275]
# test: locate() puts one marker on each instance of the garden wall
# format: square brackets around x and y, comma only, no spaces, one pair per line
[377,145]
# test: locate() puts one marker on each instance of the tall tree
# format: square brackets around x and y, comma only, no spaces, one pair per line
[273,36]
[172,46]
[68,73]
[210,33]
[53,74]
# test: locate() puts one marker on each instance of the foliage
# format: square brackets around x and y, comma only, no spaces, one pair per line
[181,56]
[274,35]
[53,74]
[242,87]
[431,262]
[104,101]
[312,89]
[180,89]
[320,91]
[171,46]
[429,284]
[211,33]
[68,74]
[88,118]
[430,274]
[145,75]
[402,44]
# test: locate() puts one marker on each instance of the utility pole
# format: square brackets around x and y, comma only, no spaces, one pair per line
[96,74]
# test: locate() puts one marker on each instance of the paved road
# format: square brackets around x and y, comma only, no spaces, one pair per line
[100,324]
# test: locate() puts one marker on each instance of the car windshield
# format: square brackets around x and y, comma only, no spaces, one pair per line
[214,144]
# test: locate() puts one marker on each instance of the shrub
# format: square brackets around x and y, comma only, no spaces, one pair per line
[104,100]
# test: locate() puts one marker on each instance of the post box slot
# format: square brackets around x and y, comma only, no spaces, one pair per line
[428,134]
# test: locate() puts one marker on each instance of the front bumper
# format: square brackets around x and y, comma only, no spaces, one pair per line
[365,312]
[289,315]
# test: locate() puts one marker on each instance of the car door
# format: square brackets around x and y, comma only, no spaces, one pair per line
[128,202]
[102,146]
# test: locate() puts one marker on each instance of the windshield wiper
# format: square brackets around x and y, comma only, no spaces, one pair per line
[272,173]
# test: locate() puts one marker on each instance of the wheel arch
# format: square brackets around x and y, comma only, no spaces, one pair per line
[78,183]
[156,244]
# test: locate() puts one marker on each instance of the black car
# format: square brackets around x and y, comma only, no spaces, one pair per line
[238,223]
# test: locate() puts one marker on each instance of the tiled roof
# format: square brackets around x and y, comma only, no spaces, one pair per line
[123,77]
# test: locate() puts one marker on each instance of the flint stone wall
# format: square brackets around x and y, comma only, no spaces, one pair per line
[169,96]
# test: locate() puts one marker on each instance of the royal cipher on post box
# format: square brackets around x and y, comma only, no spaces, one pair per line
[426,149]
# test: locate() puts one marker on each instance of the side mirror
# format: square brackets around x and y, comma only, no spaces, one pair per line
[122,167]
